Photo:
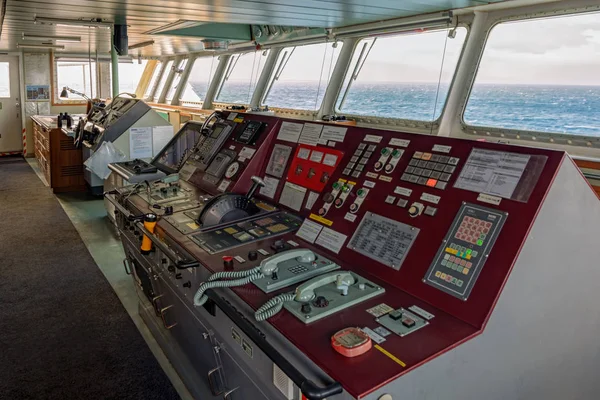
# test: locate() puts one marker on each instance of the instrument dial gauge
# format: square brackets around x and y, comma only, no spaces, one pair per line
[232,170]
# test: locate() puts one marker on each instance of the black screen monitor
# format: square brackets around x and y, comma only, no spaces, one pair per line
[170,159]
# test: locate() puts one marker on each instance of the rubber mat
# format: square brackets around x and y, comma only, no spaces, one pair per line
[63,332]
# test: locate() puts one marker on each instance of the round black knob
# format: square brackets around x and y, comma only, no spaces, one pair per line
[188,284]
[177,276]
[321,302]
[164,261]
[171,268]
[306,308]
[252,255]
[328,198]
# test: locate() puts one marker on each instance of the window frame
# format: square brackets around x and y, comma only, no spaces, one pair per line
[555,138]
[160,84]
[224,78]
[323,88]
[152,86]
[211,75]
[56,101]
[411,124]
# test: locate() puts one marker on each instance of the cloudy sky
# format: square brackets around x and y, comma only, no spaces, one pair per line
[564,50]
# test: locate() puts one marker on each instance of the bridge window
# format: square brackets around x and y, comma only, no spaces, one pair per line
[405,76]
[177,79]
[241,75]
[76,75]
[152,83]
[4,79]
[163,80]
[130,75]
[540,75]
[301,75]
[200,77]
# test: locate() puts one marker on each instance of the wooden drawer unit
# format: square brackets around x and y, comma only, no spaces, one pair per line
[58,158]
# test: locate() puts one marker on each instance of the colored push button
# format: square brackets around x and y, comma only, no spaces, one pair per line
[438,274]
[345,188]
[385,151]
[431,182]
[396,153]
[395,315]
[480,242]
[337,185]
[408,322]
[426,156]
[361,193]
[451,251]
[459,283]
[465,271]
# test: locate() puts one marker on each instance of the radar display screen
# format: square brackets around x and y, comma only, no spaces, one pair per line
[383,240]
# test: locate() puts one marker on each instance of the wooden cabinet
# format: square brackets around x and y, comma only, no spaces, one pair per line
[58,158]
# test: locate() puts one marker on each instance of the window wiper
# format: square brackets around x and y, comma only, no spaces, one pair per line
[364,54]
[284,61]
[228,72]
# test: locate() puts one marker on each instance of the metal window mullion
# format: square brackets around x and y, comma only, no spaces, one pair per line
[185,76]
[170,79]
[216,82]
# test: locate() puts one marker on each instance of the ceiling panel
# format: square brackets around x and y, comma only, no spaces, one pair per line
[145,15]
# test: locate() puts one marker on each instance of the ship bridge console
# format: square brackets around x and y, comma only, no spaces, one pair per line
[297,260]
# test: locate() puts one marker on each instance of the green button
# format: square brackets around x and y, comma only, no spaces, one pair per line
[444,262]
[469,251]
[396,153]
[480,243]
[361,193]
[336,185]
[385,151]
[346,188]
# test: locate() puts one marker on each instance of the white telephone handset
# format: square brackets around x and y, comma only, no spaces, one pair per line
[271,264]
[306,291]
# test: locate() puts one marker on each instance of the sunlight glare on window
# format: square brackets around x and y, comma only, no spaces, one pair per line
[153,80]
[4,79]
[200,77]
[130,75]
[163,80]
[76,75]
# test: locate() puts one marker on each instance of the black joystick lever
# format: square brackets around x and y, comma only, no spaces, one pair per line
[257,182]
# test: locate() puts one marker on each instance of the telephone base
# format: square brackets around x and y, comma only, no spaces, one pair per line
[292,271]
[362,290]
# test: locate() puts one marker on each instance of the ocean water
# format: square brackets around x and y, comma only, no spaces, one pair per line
[557,109]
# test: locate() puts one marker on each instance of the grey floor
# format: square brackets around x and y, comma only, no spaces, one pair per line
[88,215]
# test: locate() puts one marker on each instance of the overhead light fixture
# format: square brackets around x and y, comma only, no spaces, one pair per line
[142,44]
[39,46]
[72,39]
[98,23]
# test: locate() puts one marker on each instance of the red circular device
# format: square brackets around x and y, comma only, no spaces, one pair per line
[351,342]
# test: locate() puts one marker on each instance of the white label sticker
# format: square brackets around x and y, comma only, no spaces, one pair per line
[292,243]
[311,133]
[372,175]
[331,240]
[289,132]
[369,184]
[382,331]
[263,252]
[492,172]
[309,231]
[316,156]
[385,178]
[430,198]
[418,310]
[232,116]
[331,143]
[403,191]
[441,149]
[224,185]
[374,336]
[334,133]
[239,259]
[487,198]
[292,196]
[241,159]
[373,138]
[399,142]
[310,201]
[390,200]
[247,152]
[270,187]
[350,217]
[330,160]
[232,147]
[303,153]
